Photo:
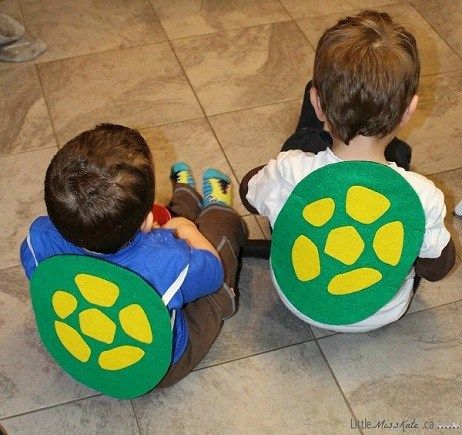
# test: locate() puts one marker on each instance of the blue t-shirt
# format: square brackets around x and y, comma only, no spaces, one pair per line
[158,256]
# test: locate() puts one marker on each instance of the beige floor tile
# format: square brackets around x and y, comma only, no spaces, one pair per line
[313,8]
[265,226]
[182,18]
[24,124]
[138,87]
[252,137]
[21,187]
[436,56]
[445,16]
[286,391]
[11,8]
[410,369]
[29,378]
[194,143]
[253,227]
[262,322]
[434,131]
[71,28]
[94,415]
[248,67]
[434,294]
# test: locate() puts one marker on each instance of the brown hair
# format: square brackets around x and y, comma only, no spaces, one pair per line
[99,187]
[366,71]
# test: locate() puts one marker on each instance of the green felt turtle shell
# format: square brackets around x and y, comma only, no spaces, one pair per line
[345,240]
[103,324]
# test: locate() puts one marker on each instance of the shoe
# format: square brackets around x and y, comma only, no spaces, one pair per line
[181,173]
[216,188]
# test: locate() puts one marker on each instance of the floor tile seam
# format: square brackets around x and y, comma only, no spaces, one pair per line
[197,369]
[349,406]
[45,408]
[19,153]
[201,107]
[21,13]
[436,307]
[258,106]
[443,172]
[166,40]
[435,30]
[223,31]
[349,11]
[136,416]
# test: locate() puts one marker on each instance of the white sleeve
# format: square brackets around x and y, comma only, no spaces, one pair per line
[436,235]
[269,189]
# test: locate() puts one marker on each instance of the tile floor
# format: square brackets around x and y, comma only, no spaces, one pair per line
[219,83]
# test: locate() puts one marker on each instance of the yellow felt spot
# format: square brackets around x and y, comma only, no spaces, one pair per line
[135,323]
[305,259]
[365,205]
[97,325]
[388,242]
[353,281]
[63,303]
[120,357]
[344,244]
[319,212]
[72,341]
[97,290]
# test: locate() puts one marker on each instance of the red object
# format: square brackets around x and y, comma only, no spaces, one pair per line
[161,214]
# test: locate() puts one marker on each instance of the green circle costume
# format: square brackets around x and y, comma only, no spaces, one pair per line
[345,240]
[103,324]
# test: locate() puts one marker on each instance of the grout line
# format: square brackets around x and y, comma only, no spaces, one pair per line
[44,408]
[338,385]
[435,29]
[199,102]
[136,417]
[242,109]
[443,172]
[41,84]
[255,354]
[28,151]
[224,31]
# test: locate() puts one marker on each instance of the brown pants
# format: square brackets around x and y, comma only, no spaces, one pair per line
[226,231]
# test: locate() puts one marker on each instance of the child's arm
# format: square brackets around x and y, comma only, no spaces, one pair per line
[187,230]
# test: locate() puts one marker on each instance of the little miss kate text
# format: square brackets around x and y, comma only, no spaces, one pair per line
[384,424]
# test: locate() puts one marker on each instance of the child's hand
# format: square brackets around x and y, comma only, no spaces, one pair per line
[177,222]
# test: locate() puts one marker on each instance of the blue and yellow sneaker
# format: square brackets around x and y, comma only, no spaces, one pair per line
[181,173]
[216,188]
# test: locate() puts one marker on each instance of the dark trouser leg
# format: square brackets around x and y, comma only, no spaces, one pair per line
[226,231]
[185,202]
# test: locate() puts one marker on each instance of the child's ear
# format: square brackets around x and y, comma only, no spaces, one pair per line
[409,111]
[146,226]
[314,98]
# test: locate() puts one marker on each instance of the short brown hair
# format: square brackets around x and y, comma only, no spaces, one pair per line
[99,187]
[366,71]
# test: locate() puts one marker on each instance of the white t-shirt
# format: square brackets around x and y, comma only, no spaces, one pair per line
[269,189]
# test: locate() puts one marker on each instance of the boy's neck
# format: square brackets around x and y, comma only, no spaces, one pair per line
[362,148]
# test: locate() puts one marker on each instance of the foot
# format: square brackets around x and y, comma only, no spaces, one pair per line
[27,48]
[10,30]
[216,188]
[181,173]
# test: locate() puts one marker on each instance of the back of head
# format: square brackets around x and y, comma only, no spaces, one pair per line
[366,71]
[99,187]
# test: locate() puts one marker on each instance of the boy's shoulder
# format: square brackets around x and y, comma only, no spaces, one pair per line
[426,189]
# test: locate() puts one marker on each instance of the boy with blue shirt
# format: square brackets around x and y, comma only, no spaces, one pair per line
[99,192]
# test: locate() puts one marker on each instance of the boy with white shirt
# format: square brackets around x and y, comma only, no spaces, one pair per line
[366,72]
